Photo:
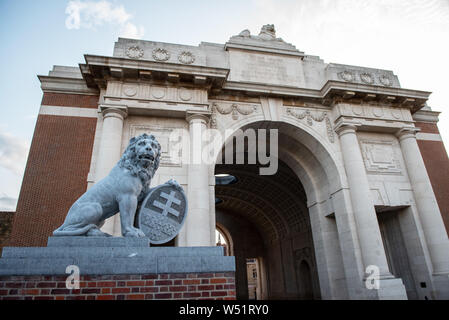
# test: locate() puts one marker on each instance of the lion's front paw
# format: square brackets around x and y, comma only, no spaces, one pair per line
[134,232]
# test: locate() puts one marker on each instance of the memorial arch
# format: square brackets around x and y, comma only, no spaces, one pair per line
[356,208]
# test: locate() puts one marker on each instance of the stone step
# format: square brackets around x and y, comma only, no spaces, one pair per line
[108,252]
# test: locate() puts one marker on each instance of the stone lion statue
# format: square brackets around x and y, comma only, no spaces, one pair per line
[267,32]
[121,191]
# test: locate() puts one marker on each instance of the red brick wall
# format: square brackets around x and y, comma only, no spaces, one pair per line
[6,218]
[56,171]
[437,164]
[192,286]
[70,100]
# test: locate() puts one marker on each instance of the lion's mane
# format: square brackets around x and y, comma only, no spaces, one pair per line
[129,159]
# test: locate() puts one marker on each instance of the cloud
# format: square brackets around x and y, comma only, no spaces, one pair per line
[89,14]
[7,203]
[13,153]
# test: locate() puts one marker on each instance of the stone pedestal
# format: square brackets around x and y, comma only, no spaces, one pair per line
[123,265]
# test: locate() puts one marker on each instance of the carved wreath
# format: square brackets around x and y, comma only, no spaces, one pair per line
[386,81]
[310,117]
[366,78]
[186,57]
[160,54]
[134,52]
[346,75]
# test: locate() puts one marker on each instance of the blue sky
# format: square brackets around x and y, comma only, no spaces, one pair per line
[410,37]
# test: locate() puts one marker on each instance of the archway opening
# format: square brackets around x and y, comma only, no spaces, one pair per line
[268,220]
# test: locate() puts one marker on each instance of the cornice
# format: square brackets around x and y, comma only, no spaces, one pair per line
[426,116]
[66,85]
[98,69]
[338,91]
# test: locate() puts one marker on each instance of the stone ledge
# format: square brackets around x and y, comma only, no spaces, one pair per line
[134,265]
[109,253]
[97,242]
[98,256]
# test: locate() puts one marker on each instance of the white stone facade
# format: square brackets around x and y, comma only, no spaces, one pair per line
[347,133]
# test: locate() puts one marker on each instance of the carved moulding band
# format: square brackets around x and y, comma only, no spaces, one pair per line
[310,117]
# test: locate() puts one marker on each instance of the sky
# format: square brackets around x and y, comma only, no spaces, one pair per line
[409,37]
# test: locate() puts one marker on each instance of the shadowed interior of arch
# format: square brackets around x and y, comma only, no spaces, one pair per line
[268,220]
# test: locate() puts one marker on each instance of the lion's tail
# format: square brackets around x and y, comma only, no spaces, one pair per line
[73,230]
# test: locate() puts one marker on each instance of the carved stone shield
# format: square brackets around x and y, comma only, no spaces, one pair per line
[162,213]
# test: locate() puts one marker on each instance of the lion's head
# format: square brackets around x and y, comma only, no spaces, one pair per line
[267,32]
[142,156]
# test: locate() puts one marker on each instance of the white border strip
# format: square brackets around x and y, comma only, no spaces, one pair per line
[428,136]
[69,111]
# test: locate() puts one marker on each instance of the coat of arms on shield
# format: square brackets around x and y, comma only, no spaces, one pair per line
[163,212]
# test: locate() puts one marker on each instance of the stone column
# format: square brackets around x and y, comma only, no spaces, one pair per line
[370,239]
[109,154]
[373,252]
[426,203]
[198,231]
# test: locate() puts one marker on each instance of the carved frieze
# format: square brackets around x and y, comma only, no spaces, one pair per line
[312,116]
[185,94]
[143,91]
[158,92]
[234,109]
[375,111]
[365,77]
[129,90]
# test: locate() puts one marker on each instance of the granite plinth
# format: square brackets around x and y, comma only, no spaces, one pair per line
[99,255]
[98,242]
